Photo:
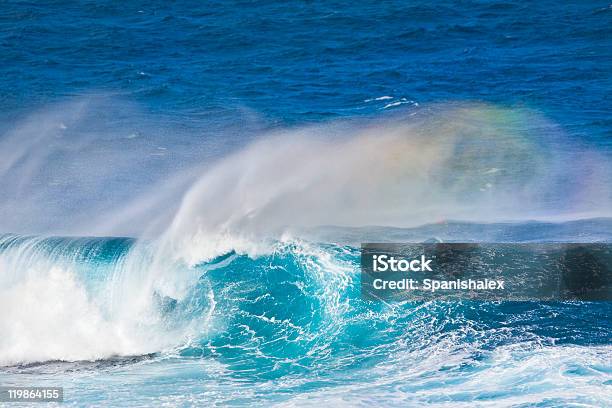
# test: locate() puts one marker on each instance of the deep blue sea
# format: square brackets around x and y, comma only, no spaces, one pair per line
[184,187]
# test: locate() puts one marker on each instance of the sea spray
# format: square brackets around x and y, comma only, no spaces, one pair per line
[468,162]
[172,288]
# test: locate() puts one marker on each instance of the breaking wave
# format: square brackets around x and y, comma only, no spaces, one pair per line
[256,267]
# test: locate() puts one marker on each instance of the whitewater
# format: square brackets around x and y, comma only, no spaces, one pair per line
[238,281]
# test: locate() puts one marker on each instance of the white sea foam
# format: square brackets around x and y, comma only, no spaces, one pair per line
[380,98]
[51,317]
[510,375]
[53,312]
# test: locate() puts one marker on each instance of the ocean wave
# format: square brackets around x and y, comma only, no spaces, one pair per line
[250,265]
[291,305]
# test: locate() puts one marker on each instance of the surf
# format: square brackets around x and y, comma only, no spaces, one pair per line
[258,249]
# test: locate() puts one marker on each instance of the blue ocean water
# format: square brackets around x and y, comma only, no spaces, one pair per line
[200,130]
[299,62]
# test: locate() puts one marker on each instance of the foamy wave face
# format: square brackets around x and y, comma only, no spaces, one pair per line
[83,299]
[90,299]
[53,318]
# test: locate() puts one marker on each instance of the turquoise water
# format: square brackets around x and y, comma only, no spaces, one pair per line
[290,327]
[184,189]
